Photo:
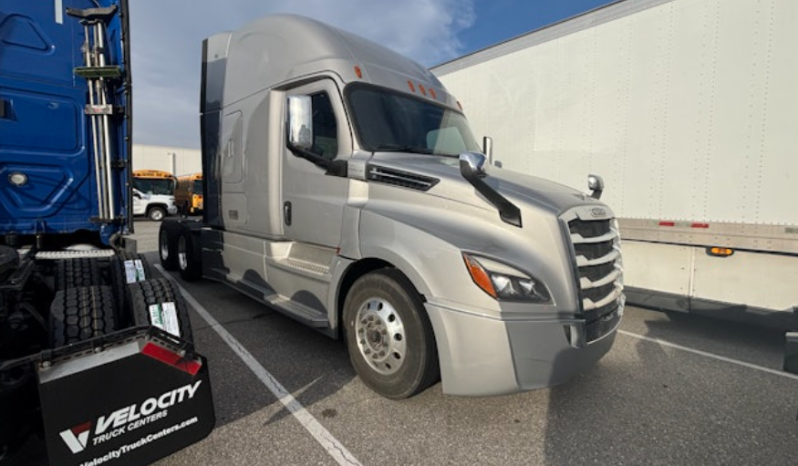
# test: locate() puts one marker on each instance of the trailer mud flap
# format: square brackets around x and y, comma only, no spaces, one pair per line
[129,404]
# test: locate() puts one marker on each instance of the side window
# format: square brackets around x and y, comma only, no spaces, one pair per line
[325,128]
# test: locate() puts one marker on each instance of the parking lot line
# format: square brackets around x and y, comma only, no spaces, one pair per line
[710,355]
[330,444]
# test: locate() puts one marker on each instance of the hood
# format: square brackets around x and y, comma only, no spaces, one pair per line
[520,189]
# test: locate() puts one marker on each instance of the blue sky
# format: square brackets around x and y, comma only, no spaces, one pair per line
[499,20]
[167,36]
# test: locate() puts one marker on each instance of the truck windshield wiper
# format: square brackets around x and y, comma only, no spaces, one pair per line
[403,148]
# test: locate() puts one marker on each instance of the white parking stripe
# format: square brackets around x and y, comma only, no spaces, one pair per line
[333,447]
[710,355]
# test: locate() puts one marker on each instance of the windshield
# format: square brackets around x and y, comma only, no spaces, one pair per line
[155,185]
[386,120]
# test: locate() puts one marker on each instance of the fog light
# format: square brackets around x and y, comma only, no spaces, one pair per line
[18,179]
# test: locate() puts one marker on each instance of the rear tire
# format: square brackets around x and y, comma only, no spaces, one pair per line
[389,335]
[159,291]
[167,244]
[120,280]
[189,255]
[73,273]
[78,314]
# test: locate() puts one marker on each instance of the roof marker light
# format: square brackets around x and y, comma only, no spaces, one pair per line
[411,86]
[358,72]
[421,88]
[699,225]
[432,93]
[667,224]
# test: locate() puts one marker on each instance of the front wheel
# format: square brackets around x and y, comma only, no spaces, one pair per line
[156,214]
[389,336]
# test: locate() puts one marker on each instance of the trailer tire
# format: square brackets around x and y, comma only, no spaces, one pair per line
[73,273]
[167,244]
[78,314]
[189,255]
[142,295]
[389,336]
[119,282]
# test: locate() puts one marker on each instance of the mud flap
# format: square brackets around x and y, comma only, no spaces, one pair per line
[129,404]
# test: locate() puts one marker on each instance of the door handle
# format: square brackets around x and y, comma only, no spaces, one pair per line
[5,108]
[287,213]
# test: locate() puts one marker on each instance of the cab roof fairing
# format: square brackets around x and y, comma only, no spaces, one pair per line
[275,50]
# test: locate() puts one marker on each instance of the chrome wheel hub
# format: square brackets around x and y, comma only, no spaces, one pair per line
[380,336]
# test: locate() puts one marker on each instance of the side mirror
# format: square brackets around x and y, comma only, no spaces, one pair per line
[472,164]
[300,122]
[596,185]
[487,148]
[136,193]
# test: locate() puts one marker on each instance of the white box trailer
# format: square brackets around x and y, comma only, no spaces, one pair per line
[689,111]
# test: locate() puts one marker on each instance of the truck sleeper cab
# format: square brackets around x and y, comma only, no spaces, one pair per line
[344,188]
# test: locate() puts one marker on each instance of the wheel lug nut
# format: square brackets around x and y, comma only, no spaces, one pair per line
[368,351]
[382,353]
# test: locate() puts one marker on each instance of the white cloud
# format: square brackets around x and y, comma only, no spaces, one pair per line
[167,37]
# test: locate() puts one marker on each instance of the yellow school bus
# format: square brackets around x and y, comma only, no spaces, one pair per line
[188,193]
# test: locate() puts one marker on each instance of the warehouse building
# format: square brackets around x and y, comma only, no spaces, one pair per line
[176,160]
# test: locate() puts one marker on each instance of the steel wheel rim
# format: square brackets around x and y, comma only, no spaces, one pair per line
[164,245]
[380,336]
[156,215]
[182,258]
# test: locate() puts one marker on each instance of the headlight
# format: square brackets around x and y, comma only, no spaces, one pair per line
[505,283]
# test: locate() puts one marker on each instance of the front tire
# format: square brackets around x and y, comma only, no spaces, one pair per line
[389,336]
[156,214]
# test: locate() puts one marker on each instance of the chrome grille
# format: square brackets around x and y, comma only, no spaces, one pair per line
[596,245]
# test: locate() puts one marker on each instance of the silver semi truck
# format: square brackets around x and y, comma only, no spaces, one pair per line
[344,188]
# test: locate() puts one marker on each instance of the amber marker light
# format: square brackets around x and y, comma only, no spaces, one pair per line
[720,252]
[479,275]
[358,72]
[411,85]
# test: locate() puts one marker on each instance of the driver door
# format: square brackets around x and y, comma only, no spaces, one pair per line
[313,202]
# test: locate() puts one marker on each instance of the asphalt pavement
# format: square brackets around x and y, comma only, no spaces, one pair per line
[674,390]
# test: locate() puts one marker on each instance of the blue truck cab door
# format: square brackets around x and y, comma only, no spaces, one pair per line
[47,167]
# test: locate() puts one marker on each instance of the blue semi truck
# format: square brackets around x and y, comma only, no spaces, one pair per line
[97,363]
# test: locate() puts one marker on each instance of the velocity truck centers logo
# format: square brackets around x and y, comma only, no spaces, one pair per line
[127,419]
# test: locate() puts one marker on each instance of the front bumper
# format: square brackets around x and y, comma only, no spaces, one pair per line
[482,356]
[172,209]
